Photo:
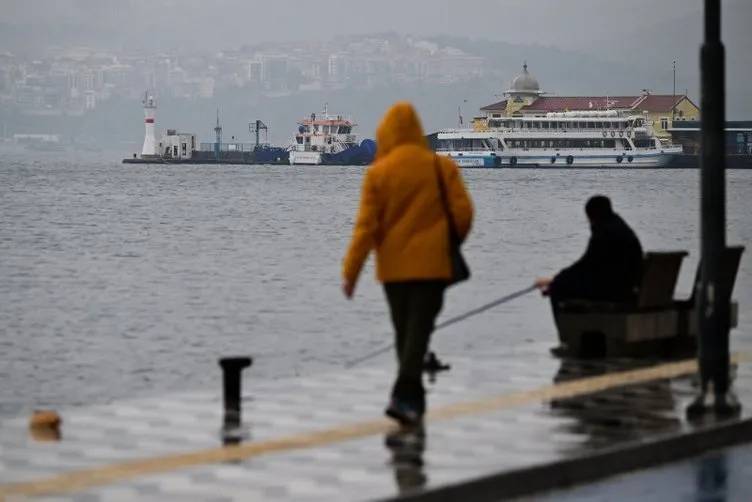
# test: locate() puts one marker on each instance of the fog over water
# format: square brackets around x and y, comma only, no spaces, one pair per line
[132,280]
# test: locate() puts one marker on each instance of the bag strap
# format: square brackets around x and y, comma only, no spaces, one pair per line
[444,200]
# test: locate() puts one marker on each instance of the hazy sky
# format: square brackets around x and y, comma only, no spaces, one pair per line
[642,36]
[568,24]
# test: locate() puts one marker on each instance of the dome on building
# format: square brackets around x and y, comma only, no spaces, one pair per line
[525,82]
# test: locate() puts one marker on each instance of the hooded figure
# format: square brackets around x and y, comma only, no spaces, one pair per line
[402,218]
[610,269]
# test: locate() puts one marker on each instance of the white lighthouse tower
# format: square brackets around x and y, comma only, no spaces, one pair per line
[150,139]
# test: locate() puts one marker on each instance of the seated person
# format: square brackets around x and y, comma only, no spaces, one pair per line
[610,269]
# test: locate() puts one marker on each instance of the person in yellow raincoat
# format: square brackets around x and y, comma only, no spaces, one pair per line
[402,218]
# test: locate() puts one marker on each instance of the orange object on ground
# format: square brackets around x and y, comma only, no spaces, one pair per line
[45,425]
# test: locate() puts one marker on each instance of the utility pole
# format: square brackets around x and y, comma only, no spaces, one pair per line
[713,303]
[218,138]
[673,98]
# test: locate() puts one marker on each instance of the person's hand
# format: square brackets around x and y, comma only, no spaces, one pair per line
[348,288]
[543,284]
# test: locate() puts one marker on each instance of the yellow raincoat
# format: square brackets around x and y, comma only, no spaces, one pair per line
[401,215]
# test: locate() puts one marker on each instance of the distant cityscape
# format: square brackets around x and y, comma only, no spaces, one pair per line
[73,81]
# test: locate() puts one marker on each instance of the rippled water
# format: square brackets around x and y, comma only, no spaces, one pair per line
[127,280]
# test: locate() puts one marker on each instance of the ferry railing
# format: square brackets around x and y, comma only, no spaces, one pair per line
[227,147]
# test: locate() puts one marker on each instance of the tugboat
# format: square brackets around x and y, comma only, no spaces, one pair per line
[329,140]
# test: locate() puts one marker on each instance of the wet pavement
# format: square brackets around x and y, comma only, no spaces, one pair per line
[718,476]
[321,438]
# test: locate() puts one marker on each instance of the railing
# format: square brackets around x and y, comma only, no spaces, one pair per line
[227,147]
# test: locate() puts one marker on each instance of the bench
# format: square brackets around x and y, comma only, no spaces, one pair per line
[654,324]
[689,324]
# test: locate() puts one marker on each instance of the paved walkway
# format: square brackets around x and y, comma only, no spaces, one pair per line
[322,438]
[721,475]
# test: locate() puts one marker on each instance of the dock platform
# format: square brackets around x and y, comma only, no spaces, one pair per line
[496,428]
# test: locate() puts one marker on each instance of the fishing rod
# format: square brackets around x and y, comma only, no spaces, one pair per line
[449,322]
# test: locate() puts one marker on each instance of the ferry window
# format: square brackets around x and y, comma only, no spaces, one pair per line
[664,122]
[300,140]
[185,148]
[496,115]
[681,113]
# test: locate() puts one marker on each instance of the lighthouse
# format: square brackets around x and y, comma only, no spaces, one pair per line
[150,139]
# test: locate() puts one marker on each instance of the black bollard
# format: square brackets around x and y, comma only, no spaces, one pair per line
[232,367]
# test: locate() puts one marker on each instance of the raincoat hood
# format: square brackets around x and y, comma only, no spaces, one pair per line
[400,126]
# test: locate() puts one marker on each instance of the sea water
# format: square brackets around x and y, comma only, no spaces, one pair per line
[125,280]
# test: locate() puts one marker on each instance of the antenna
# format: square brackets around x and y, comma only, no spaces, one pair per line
[218,136]
[673,97]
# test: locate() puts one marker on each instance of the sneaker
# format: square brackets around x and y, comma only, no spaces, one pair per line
[403,412]
[560,351]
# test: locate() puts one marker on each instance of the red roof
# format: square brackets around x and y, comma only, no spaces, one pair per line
[646,102]
[495,107]
[660,102]
[564,103]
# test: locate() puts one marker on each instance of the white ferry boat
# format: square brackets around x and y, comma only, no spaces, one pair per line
[559,139]
[329,140]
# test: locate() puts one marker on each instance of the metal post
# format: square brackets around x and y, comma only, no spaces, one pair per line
[673,98]
[232,368]
[713,356]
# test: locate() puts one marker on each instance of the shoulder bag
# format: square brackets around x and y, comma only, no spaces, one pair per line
[460,270]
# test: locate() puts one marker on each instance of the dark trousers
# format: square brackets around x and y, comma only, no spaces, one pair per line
[414,306]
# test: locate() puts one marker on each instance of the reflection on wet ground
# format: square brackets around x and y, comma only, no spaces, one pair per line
[407,445]
[319,438]
[718,476]
[620,414]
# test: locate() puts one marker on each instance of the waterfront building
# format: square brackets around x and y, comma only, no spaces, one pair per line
[524,98]
[738,136]
[177,145]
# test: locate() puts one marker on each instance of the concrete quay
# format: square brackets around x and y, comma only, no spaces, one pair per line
[497,428]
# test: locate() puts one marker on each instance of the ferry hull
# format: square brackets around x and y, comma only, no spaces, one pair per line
[357,155]
[564,159]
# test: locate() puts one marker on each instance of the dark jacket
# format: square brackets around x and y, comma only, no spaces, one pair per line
[610,269]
